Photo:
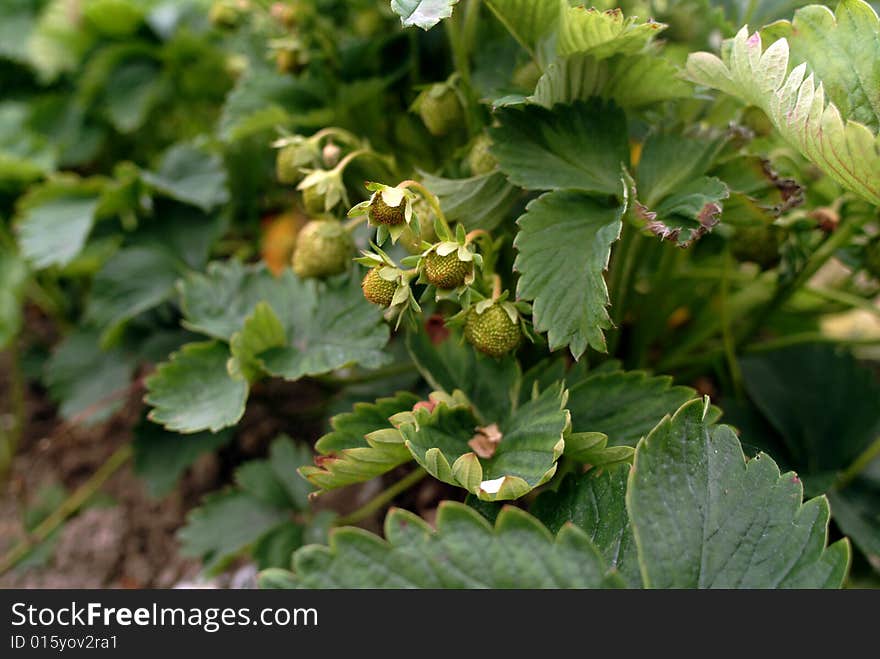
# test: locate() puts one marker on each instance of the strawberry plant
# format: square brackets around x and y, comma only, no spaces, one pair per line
[582,296]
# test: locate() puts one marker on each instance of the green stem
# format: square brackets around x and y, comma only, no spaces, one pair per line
[9,440]
[382,499]
[726,330]
[826,250]
[858,466]
[844,298]
[621,275]
[67,508]
[432,200]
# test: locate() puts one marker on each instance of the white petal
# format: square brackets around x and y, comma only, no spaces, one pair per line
[492,487]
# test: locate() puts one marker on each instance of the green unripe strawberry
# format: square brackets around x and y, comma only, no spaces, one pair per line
[757,244]
[872,258]
[446,272]
[224,13]
[480,159]
[313,201]
[377,290]
[527,76]
[323,249]
[382,213]
[492,332]
[440,110]
[288,162]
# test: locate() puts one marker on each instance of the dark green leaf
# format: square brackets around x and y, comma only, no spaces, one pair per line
[703,517]
[464,552]
[596,503]
[194,392]
[161,457]
[490,385]
[564,245]
[191,174]
[581,146]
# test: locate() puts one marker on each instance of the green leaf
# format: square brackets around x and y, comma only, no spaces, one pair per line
[193,391]
[819,399]
[329,325]
[261,330]
[703,517]
[673,197]
[161,457]
[132,89]
[524,458]
[224,525]
[57,44]
[689,213]
[592,448]
[256,478]
[841,49]
[422,13]
[603,33]
[582,146]
[132,281]
[17,20]
[286,457]
[530,22]
[85,380]
[464,552]
[13,275]
[362,445]
[276,547]
[633,81]
[263,100]
[564,245]
[191,174]
[595,502]
[480,202]
[624,405]
[490,385]
[844,149]
[54,223]
[856,511]
[218,301]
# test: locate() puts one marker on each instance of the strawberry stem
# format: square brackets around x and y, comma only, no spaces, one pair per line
[431,198]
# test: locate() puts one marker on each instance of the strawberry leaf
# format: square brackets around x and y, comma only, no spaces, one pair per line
[132,281]
[329,325]
[54,222]
[87,382]
[356,450]
[564,244]
[531,22]
[704,517]
[193,391]
[192,175]
[595,502]
[624,405]
[603,33]
[480,202]
[442,441]
[582,146]
[464,552]
[828,134]
[490,385]
[673,197]
[422,13]
[633,81]
[161,457]
[224,525]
